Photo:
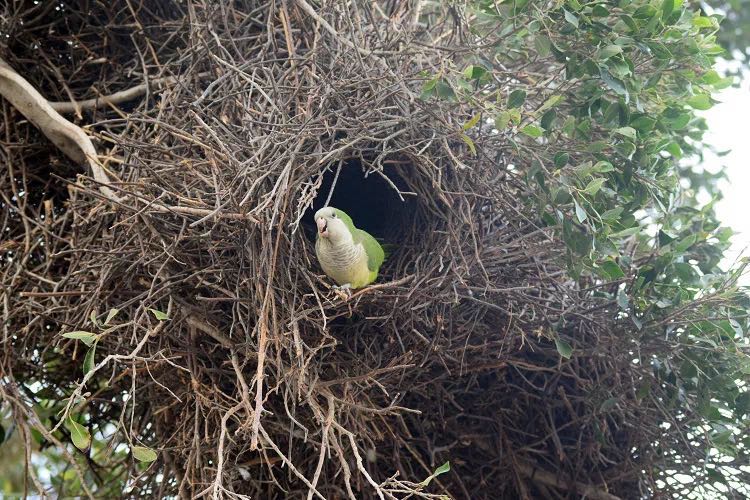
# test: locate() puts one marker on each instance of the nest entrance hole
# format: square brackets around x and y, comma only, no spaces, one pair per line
[371,201]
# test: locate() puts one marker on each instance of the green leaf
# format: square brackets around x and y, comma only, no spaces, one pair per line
[561,159]
[532,131]
[474,72]
[440,470]
[645,12]
[613,83]
[612,214]
[92,317]
[143,454]
[676,121]
[700,101]
[542,45]
[429,84]
[710,77]
[628,132]
[609,51]
[580,212]
[701,22]
[78,434]
[502,120]
[469,143]
[159,315]
[548,119]
[643,124]
[674,149]
[665,238]
[572,19]
[575,5]
[685,243]
[599,10]
[549,103]
[425,95]
[611,269]
[667,7]
[516,98]
[88,360]
[563,348]
[471,123]
[724,83]
[603,166]
[110,315]
[87,338]
[445,91]
[594,186]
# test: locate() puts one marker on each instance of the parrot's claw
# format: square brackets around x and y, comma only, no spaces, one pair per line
[344,291]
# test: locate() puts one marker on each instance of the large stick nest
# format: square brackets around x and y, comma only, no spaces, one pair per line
[263,382]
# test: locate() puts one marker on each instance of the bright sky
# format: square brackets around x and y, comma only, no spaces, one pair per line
[729,129]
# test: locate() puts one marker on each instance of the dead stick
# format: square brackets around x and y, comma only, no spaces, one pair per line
[70,293]
[116,98]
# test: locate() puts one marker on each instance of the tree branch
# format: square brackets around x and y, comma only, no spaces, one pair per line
[68,137]
[116,98]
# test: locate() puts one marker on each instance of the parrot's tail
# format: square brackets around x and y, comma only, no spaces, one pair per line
[388,248]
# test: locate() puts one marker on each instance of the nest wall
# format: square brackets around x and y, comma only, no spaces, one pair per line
[263,382]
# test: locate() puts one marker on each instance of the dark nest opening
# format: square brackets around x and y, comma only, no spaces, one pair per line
[261,382]
[379,201]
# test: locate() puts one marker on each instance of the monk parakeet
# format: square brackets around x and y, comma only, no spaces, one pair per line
[350,256]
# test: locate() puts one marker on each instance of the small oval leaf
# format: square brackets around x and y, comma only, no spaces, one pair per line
[565,349]
[516,98]
[78,434]
[159,315]
[143,454]
[532,131]
[440,470]
[87,338]
[88,360]
[700,101]
[474,120]
[111,314]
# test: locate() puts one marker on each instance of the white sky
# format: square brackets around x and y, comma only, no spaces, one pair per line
[729,129]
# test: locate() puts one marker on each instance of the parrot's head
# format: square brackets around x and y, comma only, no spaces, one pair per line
[333,224]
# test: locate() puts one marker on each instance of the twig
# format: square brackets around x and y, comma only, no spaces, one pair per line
[117,98]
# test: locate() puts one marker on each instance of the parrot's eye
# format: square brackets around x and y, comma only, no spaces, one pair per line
[333,215]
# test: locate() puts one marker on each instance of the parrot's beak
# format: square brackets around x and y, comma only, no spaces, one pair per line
[322,226]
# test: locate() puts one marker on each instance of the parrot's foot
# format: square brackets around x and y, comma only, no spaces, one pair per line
[344,291]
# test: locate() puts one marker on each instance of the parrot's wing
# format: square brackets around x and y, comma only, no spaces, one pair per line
[374,251]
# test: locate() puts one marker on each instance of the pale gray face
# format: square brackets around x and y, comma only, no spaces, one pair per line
[330,225]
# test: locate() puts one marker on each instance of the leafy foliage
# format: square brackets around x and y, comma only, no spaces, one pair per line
[734,35]
[600,135]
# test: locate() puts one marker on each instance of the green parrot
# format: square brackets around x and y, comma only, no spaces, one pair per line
[350,256]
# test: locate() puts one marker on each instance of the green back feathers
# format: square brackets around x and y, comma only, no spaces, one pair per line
[347,220]
[375,253]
